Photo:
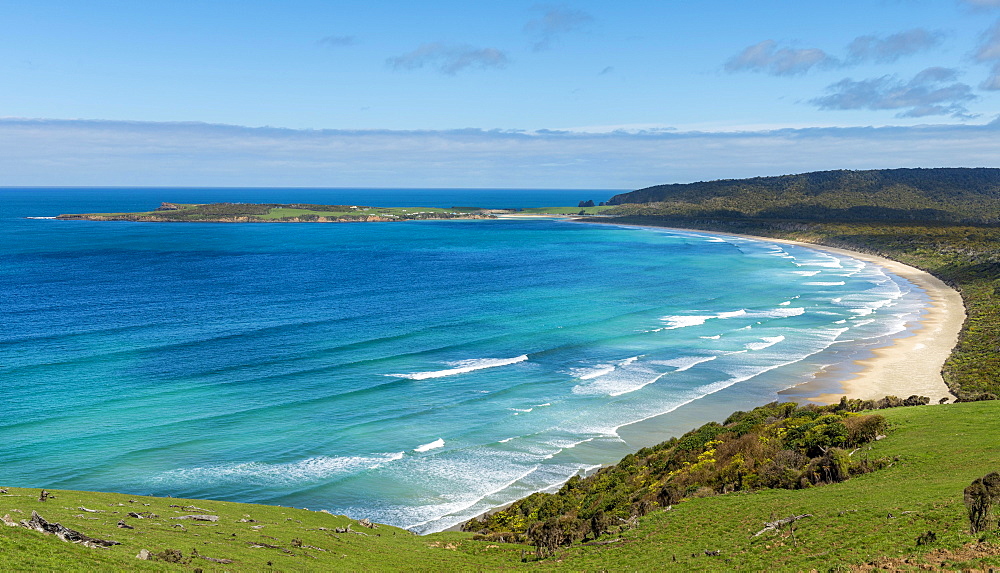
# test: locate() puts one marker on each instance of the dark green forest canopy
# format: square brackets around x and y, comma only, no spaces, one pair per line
[955,195]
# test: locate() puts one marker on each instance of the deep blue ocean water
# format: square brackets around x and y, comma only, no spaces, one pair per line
[414,373]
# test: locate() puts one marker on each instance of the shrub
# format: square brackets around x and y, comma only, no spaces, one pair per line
[863,429]
[781,472]
[979,499]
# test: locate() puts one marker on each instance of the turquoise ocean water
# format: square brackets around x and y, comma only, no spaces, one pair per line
[412,373]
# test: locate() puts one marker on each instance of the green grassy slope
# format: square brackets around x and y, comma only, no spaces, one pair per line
[938,451]
[254,537]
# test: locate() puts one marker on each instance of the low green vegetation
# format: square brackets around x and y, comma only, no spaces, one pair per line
[881,518]
[774,446]
[274,212]
[907,515]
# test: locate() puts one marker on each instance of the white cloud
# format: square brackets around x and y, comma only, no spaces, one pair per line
[68,152]
[988,51]
[893,47]
[449,59]
[928,93]
[766,57]
[553,23]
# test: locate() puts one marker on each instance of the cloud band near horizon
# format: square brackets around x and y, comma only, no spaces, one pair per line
[120,153]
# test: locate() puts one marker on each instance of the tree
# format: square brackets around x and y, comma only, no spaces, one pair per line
[979,499]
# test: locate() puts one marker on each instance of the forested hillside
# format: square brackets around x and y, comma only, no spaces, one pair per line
[954,195]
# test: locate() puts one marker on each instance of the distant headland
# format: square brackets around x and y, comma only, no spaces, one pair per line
[285,213]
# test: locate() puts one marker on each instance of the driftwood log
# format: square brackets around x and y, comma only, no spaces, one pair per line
[772,525]
[38,523]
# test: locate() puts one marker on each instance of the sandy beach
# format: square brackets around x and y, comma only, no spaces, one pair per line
[909,364]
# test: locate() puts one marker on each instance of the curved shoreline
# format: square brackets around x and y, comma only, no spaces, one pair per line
[911,361]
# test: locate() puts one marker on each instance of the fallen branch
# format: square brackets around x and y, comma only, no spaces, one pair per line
[772,525]
[66,534]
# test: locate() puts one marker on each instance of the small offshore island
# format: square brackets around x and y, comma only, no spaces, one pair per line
[285,213]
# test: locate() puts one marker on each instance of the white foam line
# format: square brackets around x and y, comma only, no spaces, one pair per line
[438,443]
[768,341]
[466,366]
[488,494]
[639,387]
[561,449]
[601,371]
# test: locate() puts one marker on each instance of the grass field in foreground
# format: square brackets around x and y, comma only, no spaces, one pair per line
[938,450]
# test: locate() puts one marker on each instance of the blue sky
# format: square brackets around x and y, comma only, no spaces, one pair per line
[505,94]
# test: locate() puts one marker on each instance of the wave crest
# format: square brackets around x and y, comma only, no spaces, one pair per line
[463,366]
